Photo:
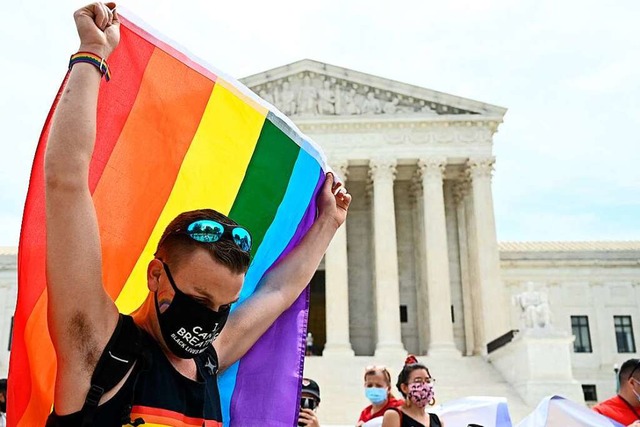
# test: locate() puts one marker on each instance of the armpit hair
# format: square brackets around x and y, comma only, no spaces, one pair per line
[83,337]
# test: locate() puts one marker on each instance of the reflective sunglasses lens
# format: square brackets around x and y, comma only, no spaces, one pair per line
[206,231]
[242,238]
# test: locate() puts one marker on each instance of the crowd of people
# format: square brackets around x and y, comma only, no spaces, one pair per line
[416,387]
[414,383]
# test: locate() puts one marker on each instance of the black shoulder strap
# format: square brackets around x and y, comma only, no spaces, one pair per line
[209,360]
[122,351]
[434,420]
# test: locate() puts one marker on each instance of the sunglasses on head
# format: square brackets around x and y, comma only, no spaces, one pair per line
[210,231]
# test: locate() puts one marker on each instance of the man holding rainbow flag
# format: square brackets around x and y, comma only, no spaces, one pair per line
[159,366]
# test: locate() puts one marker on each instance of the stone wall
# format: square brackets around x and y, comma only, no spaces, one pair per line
[8,294]
[599,280]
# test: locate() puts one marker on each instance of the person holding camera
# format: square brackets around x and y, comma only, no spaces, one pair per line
[309,402]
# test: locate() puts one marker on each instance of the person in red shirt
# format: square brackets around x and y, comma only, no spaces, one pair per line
[377,388]
[625,406]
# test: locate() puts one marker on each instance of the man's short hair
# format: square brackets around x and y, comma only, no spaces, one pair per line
[628,368]
[175,245]
[3,385]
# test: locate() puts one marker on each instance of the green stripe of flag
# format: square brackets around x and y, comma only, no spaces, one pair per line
[265,183]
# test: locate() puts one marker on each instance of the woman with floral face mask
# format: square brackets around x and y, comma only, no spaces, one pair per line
[416,385]
[377,388]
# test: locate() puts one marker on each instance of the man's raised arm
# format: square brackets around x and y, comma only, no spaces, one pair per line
[81,315]
[284,283]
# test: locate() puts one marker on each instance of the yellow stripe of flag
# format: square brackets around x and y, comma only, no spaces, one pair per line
[210,175]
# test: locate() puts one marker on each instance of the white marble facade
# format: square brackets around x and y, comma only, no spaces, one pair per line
[421,239]
[8,294]
[421,232]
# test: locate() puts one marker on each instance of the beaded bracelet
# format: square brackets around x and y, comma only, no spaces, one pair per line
[90,58]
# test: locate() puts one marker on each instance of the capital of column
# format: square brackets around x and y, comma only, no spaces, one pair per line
[340,166]
[415,189]
[460,190]
[480,167]
[383,168]
[431,168]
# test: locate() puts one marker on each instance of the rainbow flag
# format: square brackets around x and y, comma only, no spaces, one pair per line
[173,134]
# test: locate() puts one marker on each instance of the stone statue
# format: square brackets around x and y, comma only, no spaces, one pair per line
[326,99]
[391,107]
[534,307]
[307,98]
[371,105]
[267,96]
[349,105]
[428,110]
[286,99]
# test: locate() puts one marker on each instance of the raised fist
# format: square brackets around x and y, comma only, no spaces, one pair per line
[98,28]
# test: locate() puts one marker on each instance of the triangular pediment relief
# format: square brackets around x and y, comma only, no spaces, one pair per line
[310,89]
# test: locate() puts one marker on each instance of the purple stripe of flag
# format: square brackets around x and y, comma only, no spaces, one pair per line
[274,365]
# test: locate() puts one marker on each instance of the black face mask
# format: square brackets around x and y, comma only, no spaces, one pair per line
[188,326]
[3,406]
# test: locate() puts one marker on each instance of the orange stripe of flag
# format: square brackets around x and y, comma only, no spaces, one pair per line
[142,173]
[117,97]
[166,417]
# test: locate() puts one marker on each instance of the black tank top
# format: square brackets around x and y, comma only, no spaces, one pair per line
[159,395]
[407,421]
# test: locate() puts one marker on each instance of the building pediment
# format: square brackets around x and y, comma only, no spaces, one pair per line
[308,89]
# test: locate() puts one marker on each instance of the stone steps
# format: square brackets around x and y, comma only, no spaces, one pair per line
[341,383]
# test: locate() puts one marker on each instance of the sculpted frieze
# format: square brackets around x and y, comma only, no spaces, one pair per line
[310,94]
[403,140]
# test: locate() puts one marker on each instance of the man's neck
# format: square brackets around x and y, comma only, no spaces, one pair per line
[375,408]
[629,397]
[147,319]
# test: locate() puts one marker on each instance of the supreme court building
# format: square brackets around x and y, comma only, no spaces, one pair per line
[417,267]
[419,247]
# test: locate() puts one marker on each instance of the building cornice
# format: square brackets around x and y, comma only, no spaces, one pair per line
[580,246]
[364,79]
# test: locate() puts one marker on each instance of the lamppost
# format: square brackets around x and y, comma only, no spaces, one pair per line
[616,369]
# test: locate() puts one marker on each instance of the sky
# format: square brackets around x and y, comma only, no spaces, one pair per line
[568,71]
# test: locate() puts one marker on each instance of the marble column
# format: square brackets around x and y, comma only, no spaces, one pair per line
[389,339]
[337,285]
[487,257]
[478,346]
[422,303]
[460,191]
[437,257]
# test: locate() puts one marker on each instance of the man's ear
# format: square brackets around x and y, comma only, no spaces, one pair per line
[154,271]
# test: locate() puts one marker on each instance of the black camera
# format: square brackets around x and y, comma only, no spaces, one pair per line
[308,403]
